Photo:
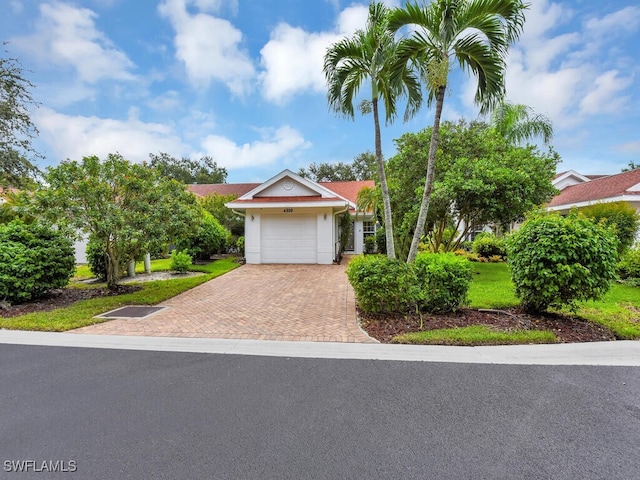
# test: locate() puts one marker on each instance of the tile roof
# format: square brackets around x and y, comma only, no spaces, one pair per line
[348,190]
[599,188]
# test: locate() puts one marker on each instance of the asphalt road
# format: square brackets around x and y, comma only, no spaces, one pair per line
[113,414]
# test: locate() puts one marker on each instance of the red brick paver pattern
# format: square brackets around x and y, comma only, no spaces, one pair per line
[263,302]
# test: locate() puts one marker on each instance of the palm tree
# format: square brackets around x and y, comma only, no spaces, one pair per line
[371,54]
[518,123]
[476,33]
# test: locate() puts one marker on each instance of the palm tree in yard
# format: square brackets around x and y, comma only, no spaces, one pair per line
[474,33]
[371,54]
[518,123]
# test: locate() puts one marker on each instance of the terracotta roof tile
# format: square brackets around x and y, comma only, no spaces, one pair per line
[348,190]
[599,189]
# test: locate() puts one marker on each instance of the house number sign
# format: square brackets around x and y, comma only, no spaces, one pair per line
[288,210]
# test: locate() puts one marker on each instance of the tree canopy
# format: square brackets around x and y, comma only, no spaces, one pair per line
[481,179]
[128,208]
[17,130]
[188,171]
[362,168]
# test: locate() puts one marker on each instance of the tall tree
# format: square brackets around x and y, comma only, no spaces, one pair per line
[16,127]
[476,33]
[188,171]
[518,123]
[372,54]
[127,207]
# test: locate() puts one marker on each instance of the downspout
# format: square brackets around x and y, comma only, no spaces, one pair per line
[239,213]
[335,214]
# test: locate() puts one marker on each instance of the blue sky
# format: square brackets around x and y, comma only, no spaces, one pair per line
[241,80]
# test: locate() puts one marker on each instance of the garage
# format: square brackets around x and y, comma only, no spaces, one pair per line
[289,238]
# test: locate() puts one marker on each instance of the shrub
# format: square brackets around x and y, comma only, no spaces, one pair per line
[383,285]
[240,246]
[34,258]
[556,261]
[207,239]
[622,216]
[487,246]
[629,265]
[444,279]
[97,259]
[369,244]
[180,261]
[381,241]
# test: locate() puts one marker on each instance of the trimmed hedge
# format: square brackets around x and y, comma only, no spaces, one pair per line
[435,283]
[488,245]
[445,279]
[34,259]
[383,285]
[557,261]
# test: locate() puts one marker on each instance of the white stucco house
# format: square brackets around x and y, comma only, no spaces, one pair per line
[291,219]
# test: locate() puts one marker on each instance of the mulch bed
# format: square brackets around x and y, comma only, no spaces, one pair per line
[62,297]
[566,328]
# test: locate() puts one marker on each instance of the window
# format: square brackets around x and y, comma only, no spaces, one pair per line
[368,228]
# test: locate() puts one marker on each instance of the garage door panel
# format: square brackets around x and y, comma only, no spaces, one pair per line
[289,239]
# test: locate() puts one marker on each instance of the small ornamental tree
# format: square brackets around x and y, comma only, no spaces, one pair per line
[127,208]
[34,259]
[556,261]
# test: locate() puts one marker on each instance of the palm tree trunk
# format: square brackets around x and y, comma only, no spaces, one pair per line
[428,184]
[386,202]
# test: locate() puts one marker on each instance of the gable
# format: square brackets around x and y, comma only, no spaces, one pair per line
[287,187]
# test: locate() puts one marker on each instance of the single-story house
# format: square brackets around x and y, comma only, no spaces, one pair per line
[291,219]
[577,190]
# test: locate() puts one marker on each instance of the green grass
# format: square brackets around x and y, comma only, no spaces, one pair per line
[81,313]
[618,310]
[475,335]
[159,265]
[491,287]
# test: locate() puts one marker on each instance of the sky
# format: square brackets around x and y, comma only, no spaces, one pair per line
[242,82]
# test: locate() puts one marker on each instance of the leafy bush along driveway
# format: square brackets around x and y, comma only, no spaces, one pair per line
[615,316]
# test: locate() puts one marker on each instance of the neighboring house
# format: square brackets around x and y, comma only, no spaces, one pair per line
[578,190]
[291,219]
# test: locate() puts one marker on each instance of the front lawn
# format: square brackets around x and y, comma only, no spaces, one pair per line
[81,313]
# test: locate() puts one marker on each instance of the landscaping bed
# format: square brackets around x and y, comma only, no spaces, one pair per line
[566,328]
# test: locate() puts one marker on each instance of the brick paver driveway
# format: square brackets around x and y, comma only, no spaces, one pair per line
[266,302]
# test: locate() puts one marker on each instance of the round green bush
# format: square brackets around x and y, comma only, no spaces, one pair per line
[209,238]
[180,261]
[621,216]
[369,245]
[557,261]
[382,285]
[629,265]
[34,259]
[97,259]
[445,279]
[488,245]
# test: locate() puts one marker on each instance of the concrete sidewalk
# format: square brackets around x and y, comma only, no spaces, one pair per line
[619,353]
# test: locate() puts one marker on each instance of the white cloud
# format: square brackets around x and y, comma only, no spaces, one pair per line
[626,19]
[79,136]
[629,147]
[276,145]
[555,74]
[603,98]
[209,46]
[67,35]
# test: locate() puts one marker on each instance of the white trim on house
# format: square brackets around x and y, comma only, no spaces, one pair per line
[620,198]
[568,179]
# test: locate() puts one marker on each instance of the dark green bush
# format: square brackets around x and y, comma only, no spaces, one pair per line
[629,265]
[381,241]
[622,216]
[207,239]
[445,279]
[96,257]
[34,259]
[487,245]
[240,246]
[180,261]
[383,285]
[369,244]
[556,261]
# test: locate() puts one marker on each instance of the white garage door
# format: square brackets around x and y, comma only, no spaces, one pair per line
[289,239]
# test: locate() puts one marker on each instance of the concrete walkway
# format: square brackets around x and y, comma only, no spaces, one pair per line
[620,353]
[313,303]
